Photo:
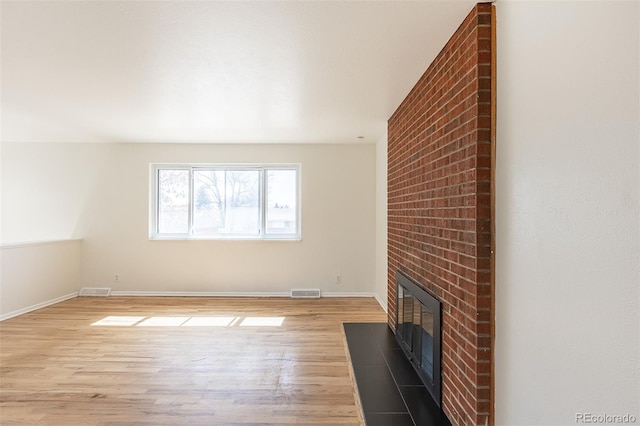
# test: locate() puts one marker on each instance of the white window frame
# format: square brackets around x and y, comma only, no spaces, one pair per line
[262,235]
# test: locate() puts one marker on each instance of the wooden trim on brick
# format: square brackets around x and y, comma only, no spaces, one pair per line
[494,97]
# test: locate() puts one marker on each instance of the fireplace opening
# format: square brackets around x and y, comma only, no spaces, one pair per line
[418,331]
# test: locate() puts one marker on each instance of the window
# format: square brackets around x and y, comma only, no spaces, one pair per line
[225,201]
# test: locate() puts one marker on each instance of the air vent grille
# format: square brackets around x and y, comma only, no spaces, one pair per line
[308,293]
[95,291]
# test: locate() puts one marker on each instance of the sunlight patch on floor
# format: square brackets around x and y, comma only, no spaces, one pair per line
[163,322]
[183,321]
[209,322]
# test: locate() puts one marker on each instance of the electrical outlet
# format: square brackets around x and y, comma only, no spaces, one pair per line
[116,278]
[338,279]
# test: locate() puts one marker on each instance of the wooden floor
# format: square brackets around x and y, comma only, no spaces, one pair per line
[179,361]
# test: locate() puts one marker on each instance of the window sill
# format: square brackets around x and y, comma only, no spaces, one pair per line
[183,238]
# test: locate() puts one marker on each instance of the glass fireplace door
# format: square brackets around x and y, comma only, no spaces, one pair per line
[426,347]
[418,331]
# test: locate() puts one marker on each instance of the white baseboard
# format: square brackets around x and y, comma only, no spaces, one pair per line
[342,294]
[382,305]
[197,294]
[227,294]
[38,306]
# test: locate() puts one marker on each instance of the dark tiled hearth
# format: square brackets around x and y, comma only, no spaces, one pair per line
[391,394]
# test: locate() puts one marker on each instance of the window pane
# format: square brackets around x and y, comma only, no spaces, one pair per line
[209,202]
[217,200]
[173,201]
[281,202]
[226,202]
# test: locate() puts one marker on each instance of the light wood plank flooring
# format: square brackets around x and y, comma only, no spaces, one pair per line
[179,361]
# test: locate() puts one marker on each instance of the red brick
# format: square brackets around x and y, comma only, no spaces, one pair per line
[439,207]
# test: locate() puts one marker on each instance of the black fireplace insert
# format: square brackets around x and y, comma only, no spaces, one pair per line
[418,330]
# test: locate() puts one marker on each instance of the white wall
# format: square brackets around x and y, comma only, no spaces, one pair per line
[44,193]
[381,222]
[38,274]
[100,193]
[338,226]
[45,188]
[567,218]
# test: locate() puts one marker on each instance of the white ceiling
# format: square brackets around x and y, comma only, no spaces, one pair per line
[213,71]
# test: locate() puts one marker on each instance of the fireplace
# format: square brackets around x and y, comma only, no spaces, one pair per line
[418,330]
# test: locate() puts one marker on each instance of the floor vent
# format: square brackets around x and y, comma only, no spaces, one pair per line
[94,291]
[308,293]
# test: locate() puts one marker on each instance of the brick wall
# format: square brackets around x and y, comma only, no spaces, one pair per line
[439,218]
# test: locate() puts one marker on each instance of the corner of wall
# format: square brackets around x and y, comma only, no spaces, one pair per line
[35,275]
[381,223]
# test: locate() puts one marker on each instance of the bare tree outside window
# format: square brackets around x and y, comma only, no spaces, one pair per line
[227,201]
[217,201]
[173,202]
